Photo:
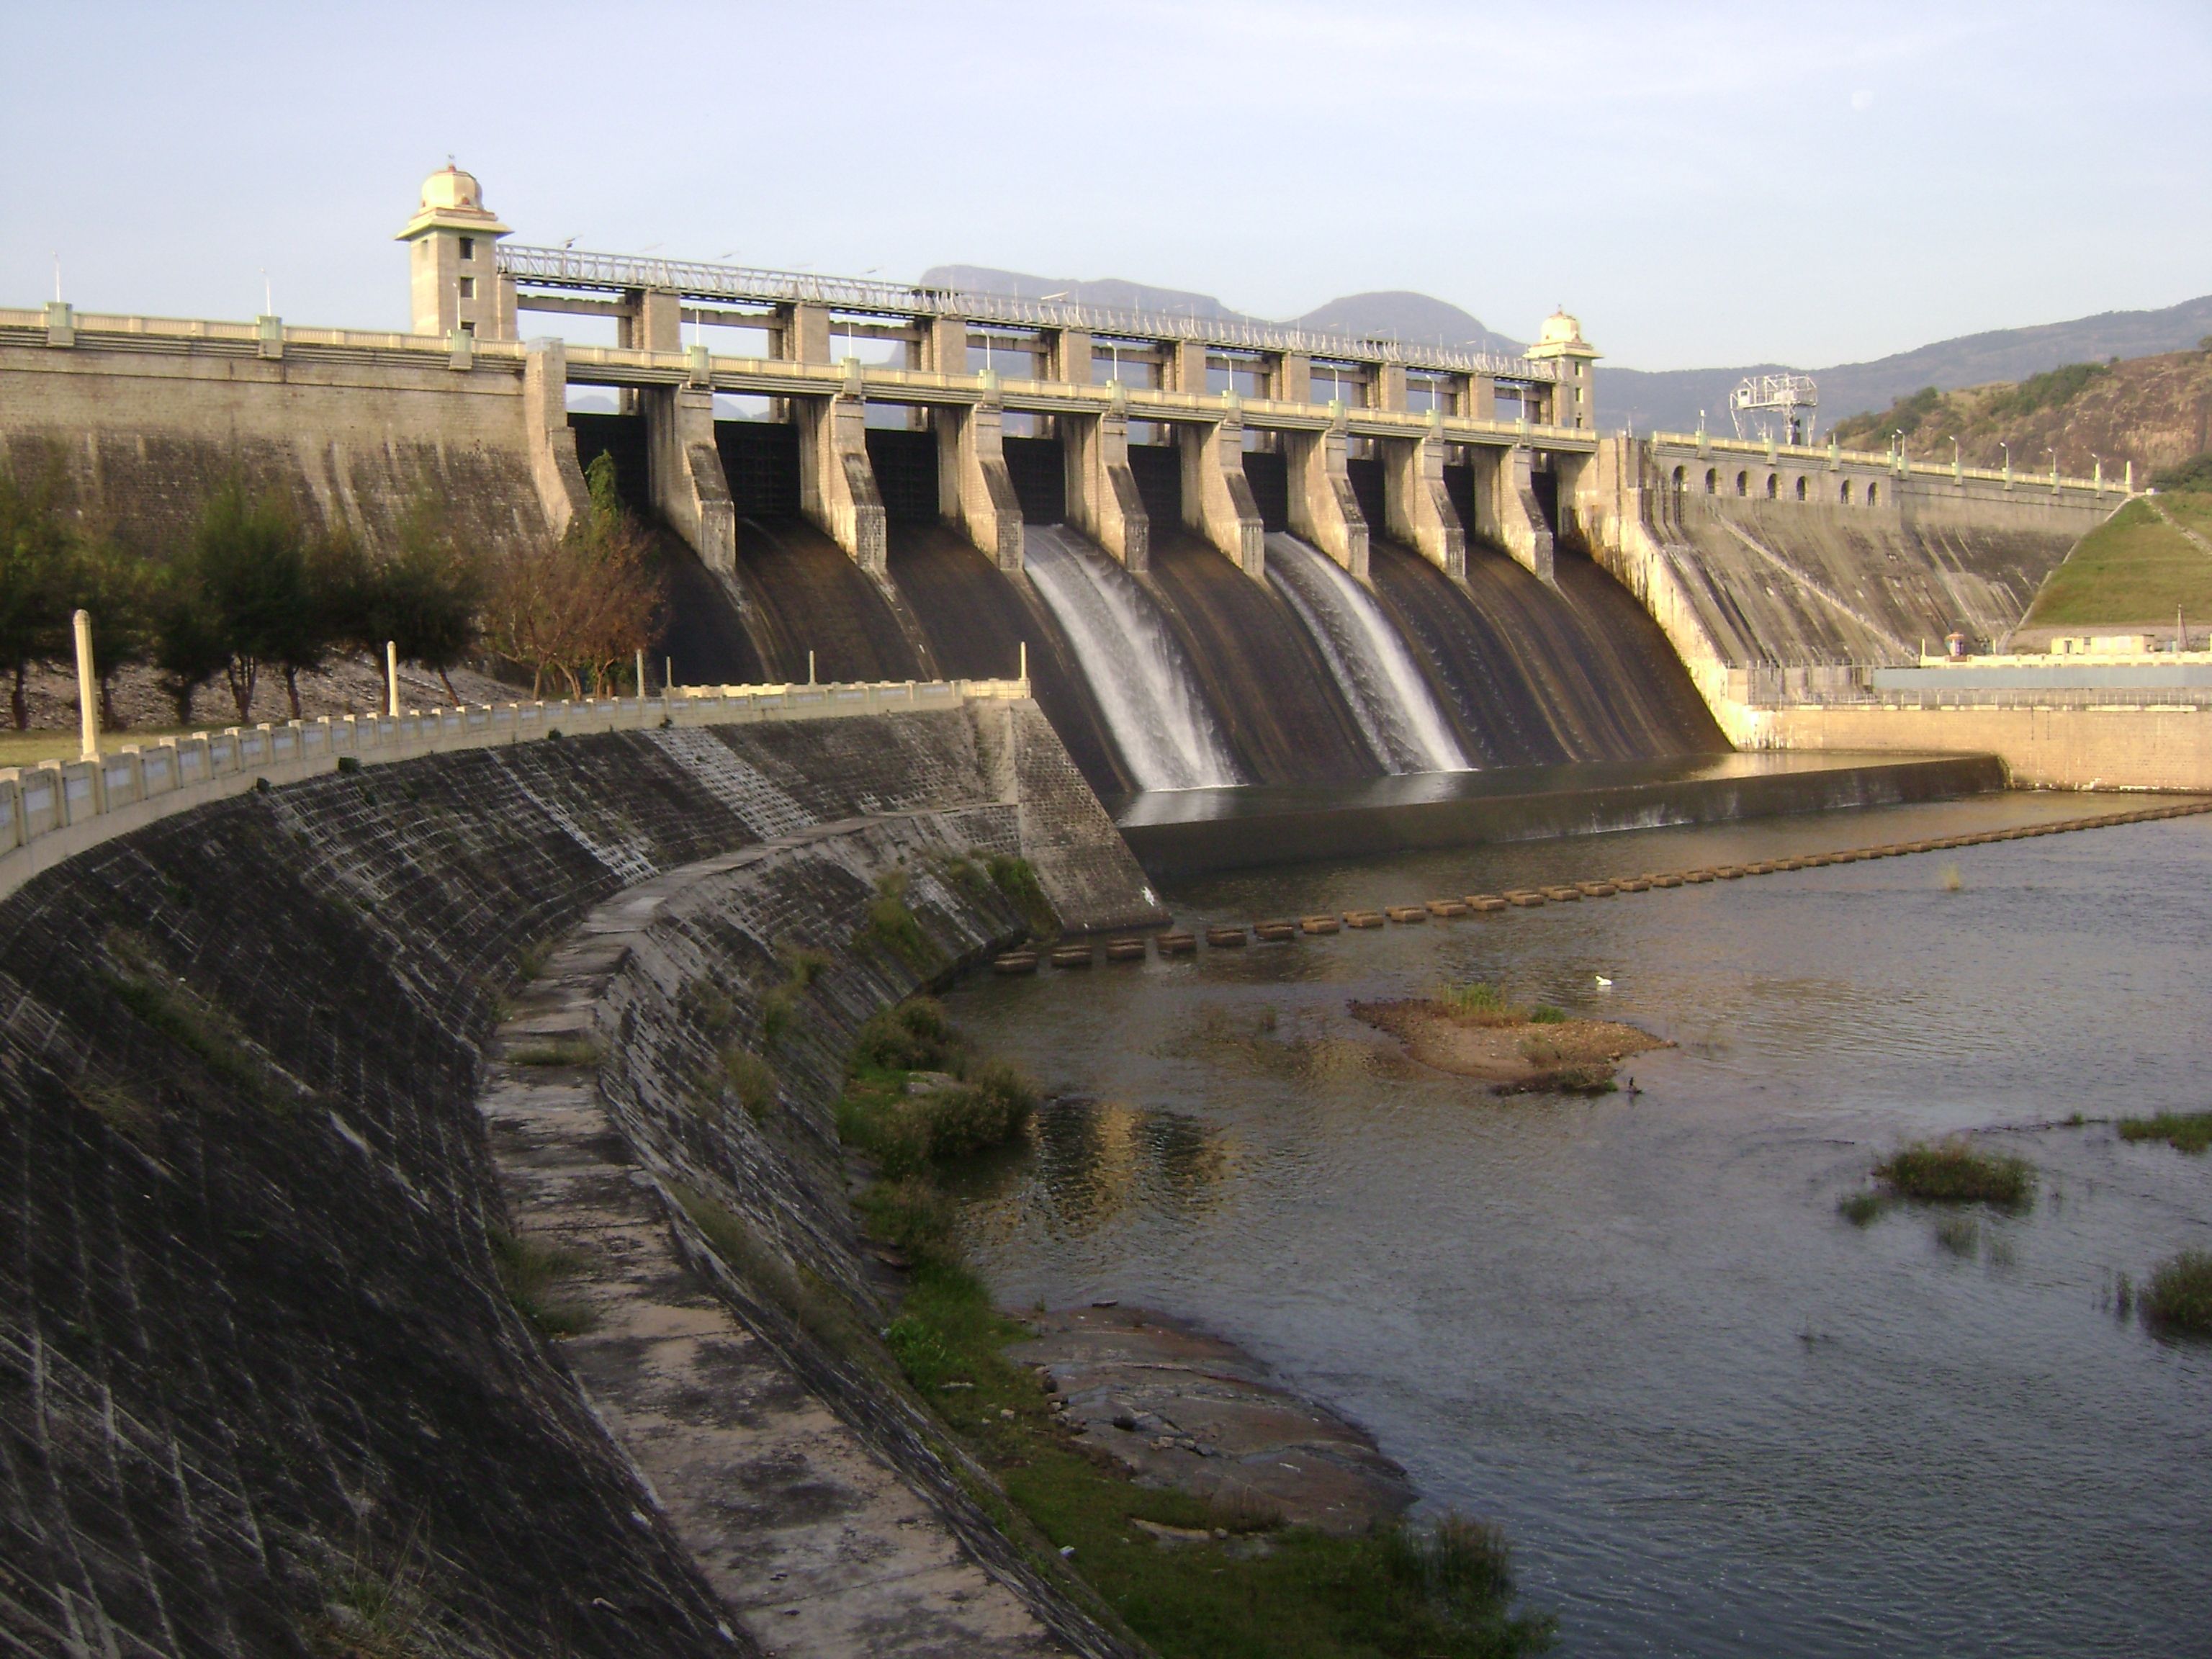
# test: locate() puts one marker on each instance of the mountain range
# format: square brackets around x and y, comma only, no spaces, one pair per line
[1670,399]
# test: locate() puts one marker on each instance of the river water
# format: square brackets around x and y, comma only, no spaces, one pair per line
[1714,1418]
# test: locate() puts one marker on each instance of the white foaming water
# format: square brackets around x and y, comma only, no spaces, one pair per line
[1166,734]
[1397,713]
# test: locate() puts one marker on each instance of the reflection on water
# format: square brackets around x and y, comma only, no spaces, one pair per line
[1716,1418]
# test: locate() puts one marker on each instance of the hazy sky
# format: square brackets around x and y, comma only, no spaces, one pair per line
[1703,184]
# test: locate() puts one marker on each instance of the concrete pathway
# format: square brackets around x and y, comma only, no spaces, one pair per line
[812,1542]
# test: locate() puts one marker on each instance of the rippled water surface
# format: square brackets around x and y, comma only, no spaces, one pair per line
[1715,1417]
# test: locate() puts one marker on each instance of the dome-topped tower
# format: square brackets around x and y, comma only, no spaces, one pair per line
[1561,342]
[456,286]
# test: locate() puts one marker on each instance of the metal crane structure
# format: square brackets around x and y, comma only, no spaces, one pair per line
[1759,397]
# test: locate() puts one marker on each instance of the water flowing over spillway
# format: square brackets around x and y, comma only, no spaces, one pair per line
[1396,711]
[1168,736]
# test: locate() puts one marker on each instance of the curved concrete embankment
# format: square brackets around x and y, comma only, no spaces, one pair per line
[254,1353]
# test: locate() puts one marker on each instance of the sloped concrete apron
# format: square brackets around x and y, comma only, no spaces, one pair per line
[808,1534]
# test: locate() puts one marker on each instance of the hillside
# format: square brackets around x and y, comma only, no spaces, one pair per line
[2155,412]
[1669,399]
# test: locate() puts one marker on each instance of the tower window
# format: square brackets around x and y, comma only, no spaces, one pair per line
[468,288]
[468,328]
[468,247]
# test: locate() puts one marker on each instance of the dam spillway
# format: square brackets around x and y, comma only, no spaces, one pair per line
[1396,711]
[1137,671]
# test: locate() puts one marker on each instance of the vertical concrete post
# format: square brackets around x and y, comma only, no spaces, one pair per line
[1292,380]
[837,485]
[975,490]
[689,486]
[88,686]
[1481,398]
[1417,507]
[551,440]
[1189,358]
[1217,498]
[1390,386]
[1103,500]
[804,336]
[945,346]
[392,678]
[1506,510]
[1324,506]
[1070,350]
[659,324]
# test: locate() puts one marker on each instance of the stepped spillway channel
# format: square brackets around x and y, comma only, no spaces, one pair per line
[1168,736]
[1396,711]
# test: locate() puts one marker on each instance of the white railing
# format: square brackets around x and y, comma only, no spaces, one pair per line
[556,267]
[55,810]
[1810,455]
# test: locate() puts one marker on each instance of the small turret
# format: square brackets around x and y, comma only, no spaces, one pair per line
[454,277]
[1562,342]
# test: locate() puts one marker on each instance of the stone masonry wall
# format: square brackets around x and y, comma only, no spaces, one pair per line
[252,1342]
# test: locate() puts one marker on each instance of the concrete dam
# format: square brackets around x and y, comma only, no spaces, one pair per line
[320,1039]
[1518,589]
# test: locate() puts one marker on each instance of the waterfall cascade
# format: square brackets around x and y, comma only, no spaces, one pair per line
[1396,711]
[1168,736]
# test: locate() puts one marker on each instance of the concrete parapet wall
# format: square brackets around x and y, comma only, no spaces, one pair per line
[52,813]
[2045,748]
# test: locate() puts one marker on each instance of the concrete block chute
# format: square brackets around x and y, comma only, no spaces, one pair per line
[1216,501]
[837,485]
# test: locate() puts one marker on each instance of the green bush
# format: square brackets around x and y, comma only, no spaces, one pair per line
[914,1217]
[914,1036]
[2193,474]
[531,1273]
[2179,1298]
[1954,1173]
[1017,879]
[894,926]
[1544,1014]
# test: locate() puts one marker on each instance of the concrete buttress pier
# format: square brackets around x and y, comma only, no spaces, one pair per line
[837,485]
[1506,509]
[1418,505]
[1324,508]
[1217,498]
[1102,499]
[975,490]
[554,467]
[689,488]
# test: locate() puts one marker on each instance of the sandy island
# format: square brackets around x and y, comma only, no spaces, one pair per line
[1505,1048]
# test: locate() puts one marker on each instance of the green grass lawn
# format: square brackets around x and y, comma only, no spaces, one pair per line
[2134,567]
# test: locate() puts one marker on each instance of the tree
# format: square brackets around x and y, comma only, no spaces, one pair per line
[571,608]
[426,599]
[119,589]
[250,563]
[36,545]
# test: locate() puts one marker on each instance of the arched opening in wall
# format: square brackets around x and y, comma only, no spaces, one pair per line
[1743,484]
[1773,485]
[1801,490]
[1845,495]
[1680,475]
[1712,481]
[1874,493]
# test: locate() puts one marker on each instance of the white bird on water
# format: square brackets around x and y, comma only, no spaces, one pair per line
[1604,984]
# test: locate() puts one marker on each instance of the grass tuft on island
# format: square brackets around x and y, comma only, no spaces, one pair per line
[2177,1300]
[2185,1132]
[1247,1586]
[1473,1031]
[1952,1172]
